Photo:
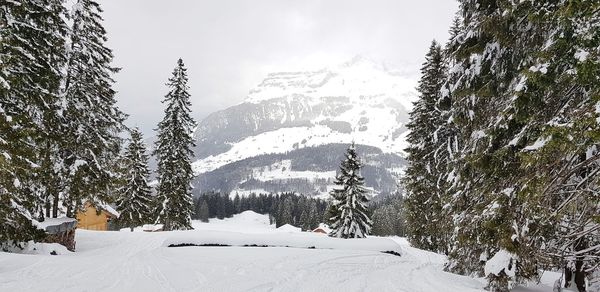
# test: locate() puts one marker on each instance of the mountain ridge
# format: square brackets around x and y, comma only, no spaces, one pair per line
[361,101]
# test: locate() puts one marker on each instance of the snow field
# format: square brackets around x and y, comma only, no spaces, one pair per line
[141,261]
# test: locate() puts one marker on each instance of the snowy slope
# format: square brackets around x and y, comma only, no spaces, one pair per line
[361,101]
[139,261]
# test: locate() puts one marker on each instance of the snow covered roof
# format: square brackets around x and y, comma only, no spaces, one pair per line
[324,227]
[57,225]
[152,227]
[109,209]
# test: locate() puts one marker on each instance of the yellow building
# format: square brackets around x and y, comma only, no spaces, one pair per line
[96,219]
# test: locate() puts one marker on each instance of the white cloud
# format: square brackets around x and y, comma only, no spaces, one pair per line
[230,45]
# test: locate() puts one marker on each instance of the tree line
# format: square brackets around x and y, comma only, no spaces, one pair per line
[504,156]
[286,208]
[297,210]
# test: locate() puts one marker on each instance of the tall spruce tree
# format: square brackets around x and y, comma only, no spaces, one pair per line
[424,179]
[173,153]
[135,198]
[348,212]
[523,83]
[32,41]
[285,212]
[489,214]
[561,85]
[90,139]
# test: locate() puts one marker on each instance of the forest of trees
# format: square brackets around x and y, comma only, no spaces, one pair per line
[59,125]
[61,131]
[297,210]
[348,211]
[504,162]
[287,208]
[388,216]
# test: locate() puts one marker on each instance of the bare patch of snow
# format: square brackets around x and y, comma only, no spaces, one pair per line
[283,170]
[539,143]
[542,68]
[502,261]
[581,55]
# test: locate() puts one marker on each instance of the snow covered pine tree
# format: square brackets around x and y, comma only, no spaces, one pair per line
[58,120]
[32,41]
[135,198]
[89,135]
[348,212]
[173,153]
[524,87]
[424,176]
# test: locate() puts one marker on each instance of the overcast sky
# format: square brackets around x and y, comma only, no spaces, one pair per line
[230,45]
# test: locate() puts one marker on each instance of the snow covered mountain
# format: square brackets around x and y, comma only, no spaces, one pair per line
[291,131]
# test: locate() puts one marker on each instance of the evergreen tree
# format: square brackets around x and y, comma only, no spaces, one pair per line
[488,213]
[559,107]
[236,203]
[32,39]
[304,221]
[424,180]
[348,210]
[383,221]
[313,216]
[203,211]
[135,198]
[388,216]
[89,134]
[524,89]
[286,212]
[173,153]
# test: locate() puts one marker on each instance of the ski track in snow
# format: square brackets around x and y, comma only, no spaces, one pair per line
[139,261]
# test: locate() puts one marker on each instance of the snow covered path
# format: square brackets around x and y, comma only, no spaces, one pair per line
[123,261]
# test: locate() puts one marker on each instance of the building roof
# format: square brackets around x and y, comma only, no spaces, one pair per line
[323,227]
[108,208]
[57,225]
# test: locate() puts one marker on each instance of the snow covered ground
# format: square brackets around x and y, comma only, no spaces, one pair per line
[283,170]
[141,261]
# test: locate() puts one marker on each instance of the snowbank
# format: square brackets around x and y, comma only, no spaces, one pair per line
[246,222]
[252,229]
[39,249]
[152,227]
[297,240]
[289,228]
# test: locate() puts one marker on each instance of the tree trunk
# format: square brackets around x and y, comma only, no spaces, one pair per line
[55,206]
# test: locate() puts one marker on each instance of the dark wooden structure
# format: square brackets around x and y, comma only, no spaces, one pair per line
[61,232]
